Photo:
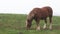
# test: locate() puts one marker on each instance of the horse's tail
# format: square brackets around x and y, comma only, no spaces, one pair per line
[50,11]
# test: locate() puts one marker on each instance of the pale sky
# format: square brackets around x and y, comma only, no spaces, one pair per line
[25,6]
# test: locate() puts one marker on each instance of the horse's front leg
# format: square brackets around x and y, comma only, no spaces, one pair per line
[38,25]
[45,25]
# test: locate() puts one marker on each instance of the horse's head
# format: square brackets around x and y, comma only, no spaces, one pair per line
[28,24]
[29,20]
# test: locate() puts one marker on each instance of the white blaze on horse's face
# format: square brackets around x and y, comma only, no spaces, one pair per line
[26,22]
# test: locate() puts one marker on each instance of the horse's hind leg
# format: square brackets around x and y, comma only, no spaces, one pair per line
[50,27]
[45,25]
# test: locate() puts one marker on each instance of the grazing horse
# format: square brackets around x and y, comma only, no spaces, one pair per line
[40,14]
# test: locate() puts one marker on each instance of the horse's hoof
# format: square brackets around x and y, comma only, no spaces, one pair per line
[38,28]
[44,28]
[50,28]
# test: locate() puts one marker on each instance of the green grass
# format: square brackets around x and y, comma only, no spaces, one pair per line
[15,24]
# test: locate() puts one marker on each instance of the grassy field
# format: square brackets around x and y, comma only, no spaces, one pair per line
[15,24]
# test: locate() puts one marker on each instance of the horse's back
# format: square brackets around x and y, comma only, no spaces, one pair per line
[41,12]
[47,10]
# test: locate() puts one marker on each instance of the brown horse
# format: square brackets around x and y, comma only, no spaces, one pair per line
[40,14]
